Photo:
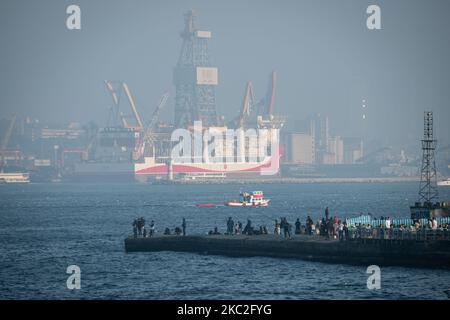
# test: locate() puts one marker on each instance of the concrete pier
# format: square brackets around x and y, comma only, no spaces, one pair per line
[381,252]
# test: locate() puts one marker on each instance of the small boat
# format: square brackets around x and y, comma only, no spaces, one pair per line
[14,177]
[444,183]
[254,199]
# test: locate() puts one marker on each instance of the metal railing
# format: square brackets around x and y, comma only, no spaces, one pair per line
[422,234]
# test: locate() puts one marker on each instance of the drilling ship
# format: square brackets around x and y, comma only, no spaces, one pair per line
[195,81]
[128,149]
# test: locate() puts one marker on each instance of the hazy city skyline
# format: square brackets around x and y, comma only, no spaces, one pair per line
[326,59]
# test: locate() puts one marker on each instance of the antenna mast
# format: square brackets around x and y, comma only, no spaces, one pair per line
[428,184]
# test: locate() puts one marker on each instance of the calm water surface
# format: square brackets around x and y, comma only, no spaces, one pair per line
[46,227]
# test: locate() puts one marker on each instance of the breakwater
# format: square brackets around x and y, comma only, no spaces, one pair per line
[363,251]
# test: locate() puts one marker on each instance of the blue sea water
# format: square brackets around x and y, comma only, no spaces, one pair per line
[44,228]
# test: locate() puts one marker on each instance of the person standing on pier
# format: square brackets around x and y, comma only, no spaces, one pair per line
[330,228]
[297,226]
[309,224]
[183,225]
[434,223]
[277,230]
[135,233]
[230,225]
[286,228]
[345,229]
[238,228]
[248,228]
[327,214]
[152,228]
[341,230]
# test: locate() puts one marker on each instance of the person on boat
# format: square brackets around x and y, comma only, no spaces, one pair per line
[183,225]
[297,226]
[327,213]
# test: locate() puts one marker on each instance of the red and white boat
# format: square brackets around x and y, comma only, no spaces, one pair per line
[254,199]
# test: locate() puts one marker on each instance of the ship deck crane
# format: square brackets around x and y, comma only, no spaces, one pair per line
[259,112]
[247,104]
[116,88]
[133,106]
[148,138]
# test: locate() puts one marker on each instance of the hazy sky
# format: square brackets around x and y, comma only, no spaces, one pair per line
[327,60]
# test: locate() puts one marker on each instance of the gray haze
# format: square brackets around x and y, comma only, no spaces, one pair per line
[327,60]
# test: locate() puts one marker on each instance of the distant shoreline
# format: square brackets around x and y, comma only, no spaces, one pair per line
[292,180]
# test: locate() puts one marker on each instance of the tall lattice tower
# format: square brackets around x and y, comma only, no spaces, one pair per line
[194,78]
[428,188]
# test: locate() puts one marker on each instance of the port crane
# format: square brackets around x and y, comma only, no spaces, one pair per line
[116,88]
[8,133]
[6,138]
[261,109]
[149,137]
[247,104]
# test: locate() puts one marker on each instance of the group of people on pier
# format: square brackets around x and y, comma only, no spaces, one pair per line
[139,229]
[328,227]
[237,228]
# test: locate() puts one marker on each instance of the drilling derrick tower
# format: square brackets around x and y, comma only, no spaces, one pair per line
[194,78]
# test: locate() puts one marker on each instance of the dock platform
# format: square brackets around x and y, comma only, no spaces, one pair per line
[381,252]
